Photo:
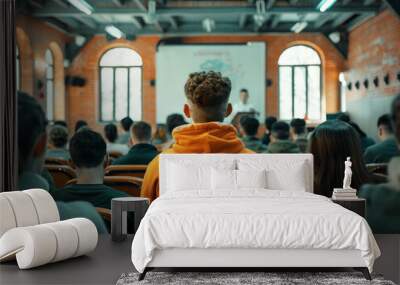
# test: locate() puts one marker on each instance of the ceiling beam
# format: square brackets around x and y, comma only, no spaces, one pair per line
[228,11]
[158,27]
[140,5]
[137,23]
[358,21]
[173,22]
[322,20]
[270,4]
[275,21]
[86,21]
[368,2]
[242,21]
[340,19]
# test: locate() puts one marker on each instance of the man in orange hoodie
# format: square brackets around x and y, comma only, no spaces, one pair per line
[207,105]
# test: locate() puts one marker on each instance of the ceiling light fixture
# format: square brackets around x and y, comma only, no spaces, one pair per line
[114,31]
[82,6]
[325,5]
[298,27]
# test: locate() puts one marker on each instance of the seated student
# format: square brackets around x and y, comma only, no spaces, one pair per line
[249,128]
[89,156]
[173,121]
[142,151]
[58,139]
[60,123]
[365,140]
[126,124]
[80,124]
[384,151]
[383,200]
[266,139]
[331,143]
[298,133]
[207,104]
[280,142]
[32,141]
[160,136]
[111,134]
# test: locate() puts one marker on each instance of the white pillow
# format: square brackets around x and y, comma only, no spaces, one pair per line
[281,180]
[236,179]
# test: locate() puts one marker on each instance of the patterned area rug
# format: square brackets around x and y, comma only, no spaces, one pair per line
[242,278]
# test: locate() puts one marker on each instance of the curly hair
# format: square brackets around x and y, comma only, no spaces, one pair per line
[208,89]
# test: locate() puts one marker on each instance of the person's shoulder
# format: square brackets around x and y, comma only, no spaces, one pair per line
[112,191]
[29,180]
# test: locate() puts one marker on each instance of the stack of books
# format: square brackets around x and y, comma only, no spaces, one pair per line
[340,194]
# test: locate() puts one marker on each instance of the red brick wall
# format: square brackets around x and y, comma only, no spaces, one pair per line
[84,101]
[33,38]
[374,51]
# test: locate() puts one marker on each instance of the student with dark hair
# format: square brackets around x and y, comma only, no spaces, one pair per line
[32,140]
[268,125]
[384,151]
[280,142]
[89,156]
[160,136]
[58,139]
[60,123]
[126,124]
[383,200]
[174,121]
[142,151]
[298,133]
[249,128]
[111,134]
[207,104]
[80,124]
[331,143]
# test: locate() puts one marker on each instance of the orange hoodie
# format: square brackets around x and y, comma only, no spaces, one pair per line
[210,137]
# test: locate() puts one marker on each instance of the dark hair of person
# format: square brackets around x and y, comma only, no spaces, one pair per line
[160,135]
[58,136]
[87,149]
[126,123]
[209,91]
[280,130]
[111,132]
[79,124]
[344,117]
[386,122]
[331,143]
[32,123]
[141,131]
[299,126]
[175,120]
[395,114]
[244,90]
[60,123]
[360,132]
[269,121]
[249,125]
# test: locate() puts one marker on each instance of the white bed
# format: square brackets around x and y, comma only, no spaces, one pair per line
[201,219]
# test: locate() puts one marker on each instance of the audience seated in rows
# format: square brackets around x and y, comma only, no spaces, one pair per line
[384,151]
[248,129]
[207,105]
[89,157]
[80,124]
[280,139]
[383,200]
[32,141]
[126,124]
[60,123]
[160,136]
[142,151]
[111,134]
[58,140]
[298,134]
[173,121]
[331,143]
[266,139]
[365,140]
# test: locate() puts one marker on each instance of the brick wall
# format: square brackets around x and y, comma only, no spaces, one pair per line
[84,101]
[34,37]
[374,51]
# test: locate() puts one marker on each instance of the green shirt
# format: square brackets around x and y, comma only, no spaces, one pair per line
[382,152]
[141,153]
[254,144]
[383,208]
[98,195]
[283,146]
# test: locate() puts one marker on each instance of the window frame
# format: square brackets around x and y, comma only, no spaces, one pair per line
[52,79]
[292,68]
[114,68]
[18,68]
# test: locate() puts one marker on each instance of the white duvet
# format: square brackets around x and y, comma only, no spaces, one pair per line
[250,219]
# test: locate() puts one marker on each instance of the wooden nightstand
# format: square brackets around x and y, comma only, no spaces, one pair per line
[356,205]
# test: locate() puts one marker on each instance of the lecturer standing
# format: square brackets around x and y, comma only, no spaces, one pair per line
[243,105]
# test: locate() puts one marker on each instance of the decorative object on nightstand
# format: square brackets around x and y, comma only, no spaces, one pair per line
[119,210]
[346,192]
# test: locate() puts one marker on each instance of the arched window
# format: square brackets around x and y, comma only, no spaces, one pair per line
[17,69]
[120,85]
[49,84]
[300,83]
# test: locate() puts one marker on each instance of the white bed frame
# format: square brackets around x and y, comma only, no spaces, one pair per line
[251,258]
